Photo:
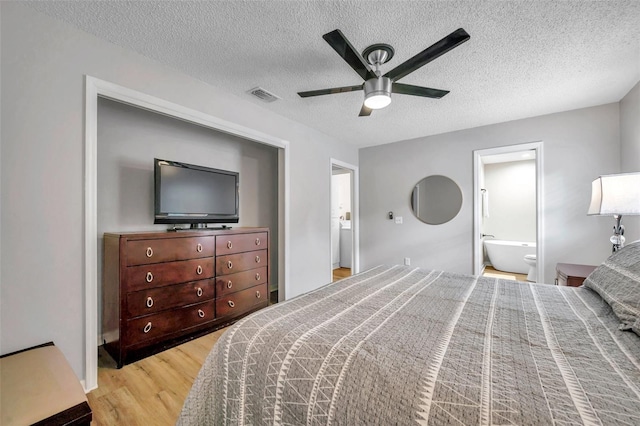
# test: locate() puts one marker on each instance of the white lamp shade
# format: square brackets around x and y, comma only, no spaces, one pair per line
[615,195]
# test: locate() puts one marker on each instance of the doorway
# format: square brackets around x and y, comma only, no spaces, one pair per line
[508,212]
[343,217]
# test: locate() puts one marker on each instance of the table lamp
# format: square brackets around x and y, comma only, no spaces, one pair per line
[616,195]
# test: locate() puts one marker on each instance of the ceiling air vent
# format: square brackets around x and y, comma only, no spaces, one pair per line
[262,94]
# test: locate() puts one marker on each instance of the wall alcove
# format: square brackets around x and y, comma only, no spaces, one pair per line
[96,89]
[129,138]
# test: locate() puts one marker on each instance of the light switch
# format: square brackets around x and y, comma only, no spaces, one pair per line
[398,220]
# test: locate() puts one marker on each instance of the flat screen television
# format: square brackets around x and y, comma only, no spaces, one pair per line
[196,195]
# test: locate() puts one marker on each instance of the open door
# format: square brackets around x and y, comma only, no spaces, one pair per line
[509,220]
[343,218]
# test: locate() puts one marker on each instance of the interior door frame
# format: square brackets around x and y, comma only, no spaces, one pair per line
[96,88]
[477,202]
[355,219]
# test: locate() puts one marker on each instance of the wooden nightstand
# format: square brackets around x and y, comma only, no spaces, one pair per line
[571,274]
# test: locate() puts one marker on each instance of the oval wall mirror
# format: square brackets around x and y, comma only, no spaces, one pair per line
[436,200]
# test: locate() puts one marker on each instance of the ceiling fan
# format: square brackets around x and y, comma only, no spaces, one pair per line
[377,87]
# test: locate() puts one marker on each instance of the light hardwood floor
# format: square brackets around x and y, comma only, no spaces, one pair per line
[489,271]
[150,391]
[340,273]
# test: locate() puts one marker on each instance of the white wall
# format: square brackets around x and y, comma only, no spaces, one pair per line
[511,189]
[342,186]
[578,146]
[44,62]
[630,149]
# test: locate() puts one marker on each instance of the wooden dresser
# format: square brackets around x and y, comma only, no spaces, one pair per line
[161,289]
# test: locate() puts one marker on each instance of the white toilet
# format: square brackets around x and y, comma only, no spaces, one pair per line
[530,259]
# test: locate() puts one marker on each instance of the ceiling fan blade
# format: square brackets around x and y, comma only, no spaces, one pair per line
[340,44]
[330,91]
[364,111]
[432,52]
[426,92]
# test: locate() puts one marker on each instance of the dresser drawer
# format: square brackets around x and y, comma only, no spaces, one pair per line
[142,252]
[231,283]
[163,274]
[155,326]
[155,300]
[159,288]
[229,244]
[241,301]
[233,263]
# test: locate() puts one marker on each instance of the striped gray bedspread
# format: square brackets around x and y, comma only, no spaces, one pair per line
[395,345]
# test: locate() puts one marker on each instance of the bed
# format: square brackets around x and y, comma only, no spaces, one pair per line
[407,346]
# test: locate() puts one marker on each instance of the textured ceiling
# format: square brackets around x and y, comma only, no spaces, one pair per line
[524,58]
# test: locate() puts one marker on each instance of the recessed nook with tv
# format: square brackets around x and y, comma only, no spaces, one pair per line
[161,289]
[195,195]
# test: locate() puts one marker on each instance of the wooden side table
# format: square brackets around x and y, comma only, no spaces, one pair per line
[571,274]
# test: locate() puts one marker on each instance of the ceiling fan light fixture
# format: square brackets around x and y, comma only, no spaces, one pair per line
[377,101]
[377,92]
[378,87]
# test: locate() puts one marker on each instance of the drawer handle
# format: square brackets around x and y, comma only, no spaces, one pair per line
[199,292]
[229,244]
[257,259]
[147,328]
[231,304]
[229,264]
[199,270]
[149,277]
[257,294]
[149,252]
[257,276]
[257,241]
[229,284]
[200,313]
[199,248]
[149,302]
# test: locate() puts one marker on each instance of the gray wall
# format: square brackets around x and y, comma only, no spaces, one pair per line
[44,62]
[630,149]
[630,130]
[129,138]
[578,146]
